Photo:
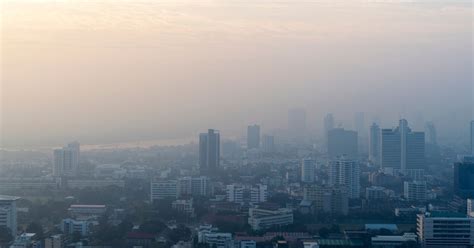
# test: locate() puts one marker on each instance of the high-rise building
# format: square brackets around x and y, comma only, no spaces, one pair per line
[75,147]
[472,138]
[64,163]
[297,123]
[360,128]
[246,193]
[8,213]
[346,173]
[431,135]
[307,170]
[403,150]
[342,143]
[374,144]
[66,160]
[415,191]
[209,151]
[268,143]
[328,199]
[253,137]
[163,189]
[445,229]
[193,186]
[329,124]
[359,124]
[464,178]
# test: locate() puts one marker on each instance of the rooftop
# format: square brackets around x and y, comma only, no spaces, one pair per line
[445,214]
[8,198]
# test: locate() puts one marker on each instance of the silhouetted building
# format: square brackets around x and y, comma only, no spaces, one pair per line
[464,178]
[297,124]
[253,137]
[403,151]
[431,134]
[8,213]
[345,173]
[209,151]
[374,144]
[342,143]
[63,162]
[307,170]
[268,143]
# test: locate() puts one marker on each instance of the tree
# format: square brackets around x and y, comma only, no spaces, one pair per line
[35,227]
[180,233]
[324,232]
[152,226]
[5,235]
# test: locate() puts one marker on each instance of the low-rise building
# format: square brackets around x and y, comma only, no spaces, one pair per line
[415,191]
[260,218]
[381,241]
[445,229]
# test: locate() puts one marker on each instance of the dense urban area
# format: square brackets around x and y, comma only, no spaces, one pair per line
[357,185]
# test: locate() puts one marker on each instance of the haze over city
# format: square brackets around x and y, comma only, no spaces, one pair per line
[236,124]
[125,71]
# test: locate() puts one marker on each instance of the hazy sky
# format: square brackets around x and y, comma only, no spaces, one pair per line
[102,71]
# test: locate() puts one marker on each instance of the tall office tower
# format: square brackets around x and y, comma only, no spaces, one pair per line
[403,151]
[307,170]
[359,123]
[64,163]
[268,143]
[297,124]
[342,143]
[431,136]
[445,230]
[464,178]
[209,151]
[346,173]
[8,215]
[75,147]
[328,123]
[415,191]
[374,144]
[253,137]
[472,138]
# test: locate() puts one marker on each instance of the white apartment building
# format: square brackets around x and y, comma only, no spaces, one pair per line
[8,213]
[445,230]
[264,218]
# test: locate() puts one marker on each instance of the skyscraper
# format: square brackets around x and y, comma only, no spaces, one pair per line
[209,151]
[64,163]
[8,213]
[75,147]
[345,172]
[342,143]
[66,160]
[253,137]
[464,178]
[374,144]
[268,143]
[403,150]
[359,123]
[307,170]
[328,123]
[431,136]
[297,124]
